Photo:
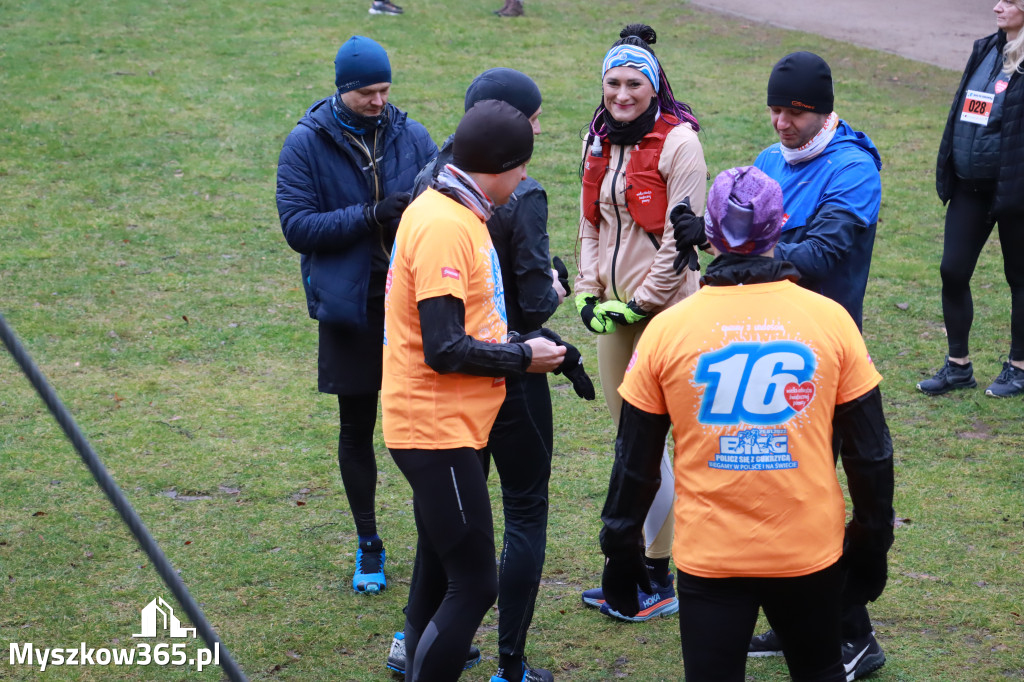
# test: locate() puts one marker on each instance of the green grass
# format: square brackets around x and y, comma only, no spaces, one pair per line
[143,266]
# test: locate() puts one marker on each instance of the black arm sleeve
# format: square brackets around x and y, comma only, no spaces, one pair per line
[636,475]
[447,348]
[866,452]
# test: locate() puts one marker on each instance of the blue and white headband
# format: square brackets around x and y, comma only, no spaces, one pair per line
[635,57]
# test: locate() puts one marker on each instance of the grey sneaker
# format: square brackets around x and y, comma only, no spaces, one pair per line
[950,377]
[396,656]
[385,7]
[1008,384]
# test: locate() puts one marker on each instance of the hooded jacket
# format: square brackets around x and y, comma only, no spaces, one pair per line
[830,211]
[324,181]
[1009,196]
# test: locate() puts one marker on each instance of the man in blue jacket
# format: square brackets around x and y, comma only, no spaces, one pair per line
[343,179]
[831,193]
[830,180]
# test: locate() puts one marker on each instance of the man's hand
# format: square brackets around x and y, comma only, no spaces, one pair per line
[623,313]
[390,207]
[594,319]
[623,574]
[547,355]
[688,230]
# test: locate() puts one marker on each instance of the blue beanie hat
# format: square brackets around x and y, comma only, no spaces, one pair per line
[361,62]
[507,85]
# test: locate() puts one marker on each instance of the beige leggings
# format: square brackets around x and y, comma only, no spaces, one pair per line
[613,353]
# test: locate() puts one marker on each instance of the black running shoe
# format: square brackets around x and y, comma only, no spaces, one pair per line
[1008,384]
[862,657]
[950,377]
[765,644]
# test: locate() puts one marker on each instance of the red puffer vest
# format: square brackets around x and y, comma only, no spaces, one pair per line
[646,195]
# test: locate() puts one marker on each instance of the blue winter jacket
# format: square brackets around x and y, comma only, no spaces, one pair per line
[324,181]
[831,208]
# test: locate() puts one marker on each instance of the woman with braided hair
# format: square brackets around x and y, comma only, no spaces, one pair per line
[641,159]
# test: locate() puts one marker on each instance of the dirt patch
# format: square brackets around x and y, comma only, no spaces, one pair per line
[939,32]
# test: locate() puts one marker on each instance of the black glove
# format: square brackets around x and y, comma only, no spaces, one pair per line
[688,230]
[572,365]
[623,313]
[563,274]
[623,574]
[865,570]
[390,207]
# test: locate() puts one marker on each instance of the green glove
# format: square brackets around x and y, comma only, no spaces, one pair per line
[593,318]
[622,313]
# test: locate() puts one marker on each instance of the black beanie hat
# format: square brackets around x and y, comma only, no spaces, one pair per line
[507,85]
[801,80]
[493,137]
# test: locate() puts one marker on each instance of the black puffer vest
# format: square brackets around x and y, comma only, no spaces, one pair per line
[1009,194]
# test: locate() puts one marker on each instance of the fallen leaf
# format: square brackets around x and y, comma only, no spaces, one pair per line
[300,503]
[903,306]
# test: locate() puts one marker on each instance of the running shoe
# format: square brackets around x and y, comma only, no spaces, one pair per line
[529,675]
[661,602]
[766,644]
[369,576]
[1008,384]
[862,657]
[385,7]
[593,597]
[950,377]
[396,657]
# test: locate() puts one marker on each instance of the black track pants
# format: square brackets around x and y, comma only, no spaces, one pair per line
[968,226]
[521,443]
[717,618]
[454,581]
[356,458]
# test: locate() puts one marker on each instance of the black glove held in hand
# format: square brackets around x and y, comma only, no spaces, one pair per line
[865,570]
[390,207]
[563,274]
[688,230]
[623,574]
[571,367]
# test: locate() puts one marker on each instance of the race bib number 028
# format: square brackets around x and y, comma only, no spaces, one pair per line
[756,383]
[977,107]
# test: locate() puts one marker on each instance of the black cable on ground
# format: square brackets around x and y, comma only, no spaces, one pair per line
[120,502]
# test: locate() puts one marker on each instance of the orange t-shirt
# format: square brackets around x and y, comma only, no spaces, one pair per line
[441,249]
[750,376]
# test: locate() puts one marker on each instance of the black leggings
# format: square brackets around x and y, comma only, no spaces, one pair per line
[356,458]
[968,226]
[453,581]
[717,618]
[520,444]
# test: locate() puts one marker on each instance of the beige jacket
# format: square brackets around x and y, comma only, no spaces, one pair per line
[623,261]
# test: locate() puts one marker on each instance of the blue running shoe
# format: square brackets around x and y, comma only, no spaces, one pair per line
[529,675]
[369,575]
[593,597]
[662,602]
